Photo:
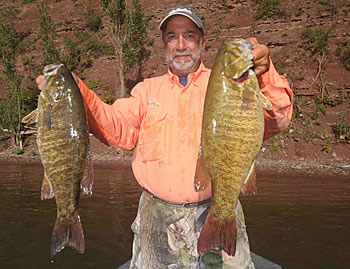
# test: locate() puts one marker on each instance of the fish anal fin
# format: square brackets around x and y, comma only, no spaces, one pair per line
[68,234]
[250,186]
[88,181]
[46,189]
[220,234]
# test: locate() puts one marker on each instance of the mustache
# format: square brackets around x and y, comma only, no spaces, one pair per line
[181,53]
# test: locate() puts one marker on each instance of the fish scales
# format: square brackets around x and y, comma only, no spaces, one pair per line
[232,133]
[62,139]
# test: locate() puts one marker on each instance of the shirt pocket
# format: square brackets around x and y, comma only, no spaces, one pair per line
[152,137]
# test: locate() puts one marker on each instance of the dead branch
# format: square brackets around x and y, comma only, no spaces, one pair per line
[320,60]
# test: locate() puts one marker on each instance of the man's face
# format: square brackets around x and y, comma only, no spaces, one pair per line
[183,45]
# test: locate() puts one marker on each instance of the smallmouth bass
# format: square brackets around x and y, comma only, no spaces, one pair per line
[63,143]
[232,133]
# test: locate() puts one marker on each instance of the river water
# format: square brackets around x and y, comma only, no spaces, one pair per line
[297,222]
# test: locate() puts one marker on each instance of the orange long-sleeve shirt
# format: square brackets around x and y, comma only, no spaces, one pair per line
[165,119]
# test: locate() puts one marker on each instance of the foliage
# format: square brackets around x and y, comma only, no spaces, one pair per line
[282,62]
[102,90]
[317,40]
[20,100]
[79,50]
[267,9]
[10,110]
[340,129]
[345,59]
[129,30]
[48,35]
[18,151]
[28,1]
[33,153]
[94,22]
[343,52]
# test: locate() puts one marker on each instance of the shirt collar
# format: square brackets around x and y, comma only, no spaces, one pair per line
[191,76]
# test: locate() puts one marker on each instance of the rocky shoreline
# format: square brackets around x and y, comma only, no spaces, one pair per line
[282,167]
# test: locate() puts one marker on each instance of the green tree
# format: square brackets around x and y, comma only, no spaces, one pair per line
[11,108]
[48,34]
[129,30]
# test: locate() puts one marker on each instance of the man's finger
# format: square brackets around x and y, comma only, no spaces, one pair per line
[252,40]
[40,81]
[261,59]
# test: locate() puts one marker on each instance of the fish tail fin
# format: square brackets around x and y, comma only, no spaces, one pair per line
[46,189]
[88,180]
[68,234]
[218,234]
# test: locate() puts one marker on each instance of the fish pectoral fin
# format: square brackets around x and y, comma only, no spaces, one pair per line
[250,187]
[45,119]
[46,189]
[32,117]
[248,98]
[266,102]
[68,234]
[218,234]
[201,177]
[88,180]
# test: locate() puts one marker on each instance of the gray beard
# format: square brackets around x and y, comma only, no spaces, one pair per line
[183,65]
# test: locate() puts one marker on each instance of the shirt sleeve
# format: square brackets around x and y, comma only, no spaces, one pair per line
[277,91]
[115,125]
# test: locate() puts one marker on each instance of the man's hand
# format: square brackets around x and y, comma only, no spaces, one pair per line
[261,56]
[40,81]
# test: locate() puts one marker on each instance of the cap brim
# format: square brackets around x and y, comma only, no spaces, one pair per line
[178,13]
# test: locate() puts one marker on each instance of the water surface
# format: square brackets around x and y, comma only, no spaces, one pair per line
[301,222]
[297,222]
[26,222]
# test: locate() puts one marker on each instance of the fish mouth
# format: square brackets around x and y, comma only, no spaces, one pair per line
[242,78]
[242,44]
[51,69]
[237,59]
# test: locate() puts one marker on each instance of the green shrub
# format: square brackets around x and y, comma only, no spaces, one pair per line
[33,153]
[102,90]
[267,9]
[341,130]
[28,1]
[47,34]
[17,151]
[94,22]
[317,40]
[343,53]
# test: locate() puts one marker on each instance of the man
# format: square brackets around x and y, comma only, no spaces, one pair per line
[164,116]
